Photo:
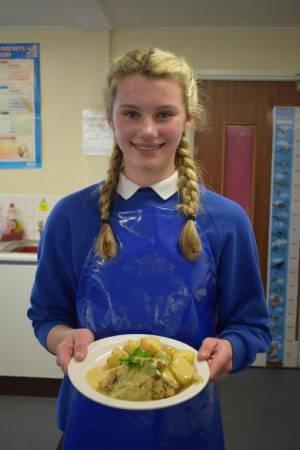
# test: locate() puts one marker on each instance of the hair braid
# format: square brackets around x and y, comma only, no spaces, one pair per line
[106,244]
[156,63]
[188,185]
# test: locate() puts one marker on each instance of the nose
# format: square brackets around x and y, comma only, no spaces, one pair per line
[147,128]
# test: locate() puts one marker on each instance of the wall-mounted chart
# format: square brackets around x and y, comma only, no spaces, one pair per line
[283,264]
[20,107]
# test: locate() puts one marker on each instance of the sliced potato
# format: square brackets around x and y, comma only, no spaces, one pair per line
[114,359]
[189,355]
[169,350]
[182,370]
[96,375]
[150,343]
[168,377]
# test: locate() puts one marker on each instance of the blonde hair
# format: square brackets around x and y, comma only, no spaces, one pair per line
[156,63]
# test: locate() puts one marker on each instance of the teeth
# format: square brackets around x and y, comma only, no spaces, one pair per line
[147,148]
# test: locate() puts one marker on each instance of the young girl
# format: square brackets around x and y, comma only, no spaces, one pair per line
[149,251]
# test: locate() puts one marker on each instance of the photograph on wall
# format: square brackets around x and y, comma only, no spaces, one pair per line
[20,106]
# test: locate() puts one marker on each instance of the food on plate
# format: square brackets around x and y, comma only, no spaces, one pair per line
[145,369]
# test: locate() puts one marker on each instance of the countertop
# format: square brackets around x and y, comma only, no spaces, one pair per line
[9,255]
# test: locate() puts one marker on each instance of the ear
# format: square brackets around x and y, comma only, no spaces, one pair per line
[189,123]
[109,118]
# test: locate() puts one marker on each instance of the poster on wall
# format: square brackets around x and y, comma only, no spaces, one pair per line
[283,265]
[20,106]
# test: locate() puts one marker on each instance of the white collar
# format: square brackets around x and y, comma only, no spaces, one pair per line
[165,188]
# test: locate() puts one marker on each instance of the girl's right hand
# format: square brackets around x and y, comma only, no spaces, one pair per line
[74,344]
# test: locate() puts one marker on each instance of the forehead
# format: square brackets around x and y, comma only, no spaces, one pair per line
[142,90]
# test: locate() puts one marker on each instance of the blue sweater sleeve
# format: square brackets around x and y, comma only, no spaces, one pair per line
[242,315]
[52,296]
[67,238]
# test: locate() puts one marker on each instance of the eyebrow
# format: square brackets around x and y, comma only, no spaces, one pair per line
[137,107]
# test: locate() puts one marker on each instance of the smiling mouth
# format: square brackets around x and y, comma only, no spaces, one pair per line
[147,148]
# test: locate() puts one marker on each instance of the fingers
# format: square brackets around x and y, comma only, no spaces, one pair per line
[80,347]
[64,352]
[80,352]
[82,339]
[207,348]
[74,345]
[218,353]
[219,368]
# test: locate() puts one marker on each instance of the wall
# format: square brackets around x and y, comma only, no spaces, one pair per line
[220,49]
[73,68]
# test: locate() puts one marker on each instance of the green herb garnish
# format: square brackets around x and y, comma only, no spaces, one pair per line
[138,359]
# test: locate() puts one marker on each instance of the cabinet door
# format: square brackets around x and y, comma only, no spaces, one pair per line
[20,352]
[248,106]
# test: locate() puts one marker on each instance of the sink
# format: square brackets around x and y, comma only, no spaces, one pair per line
[23,246]
[25,249]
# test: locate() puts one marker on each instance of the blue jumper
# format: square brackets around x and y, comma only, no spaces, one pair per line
[69,235]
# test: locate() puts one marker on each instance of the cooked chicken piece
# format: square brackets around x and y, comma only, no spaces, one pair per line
[158,390]
[109,378]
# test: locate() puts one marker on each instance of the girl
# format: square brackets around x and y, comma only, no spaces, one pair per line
[149,251]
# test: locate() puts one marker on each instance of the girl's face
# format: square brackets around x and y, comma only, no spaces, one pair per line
[148,118]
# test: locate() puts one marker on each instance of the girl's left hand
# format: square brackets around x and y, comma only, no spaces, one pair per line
[218,353]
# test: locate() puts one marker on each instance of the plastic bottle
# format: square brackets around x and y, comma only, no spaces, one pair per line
[12,218]
[13,227]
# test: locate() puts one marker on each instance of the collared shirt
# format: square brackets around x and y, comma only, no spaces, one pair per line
[165,188]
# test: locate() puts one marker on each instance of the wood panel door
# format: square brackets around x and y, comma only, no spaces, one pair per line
[244,103]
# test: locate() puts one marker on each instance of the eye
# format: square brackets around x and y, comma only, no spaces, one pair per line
[130,114]
[165,114]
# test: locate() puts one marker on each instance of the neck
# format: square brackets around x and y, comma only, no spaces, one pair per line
[146,179]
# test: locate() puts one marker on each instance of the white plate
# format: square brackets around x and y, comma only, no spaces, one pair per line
[98,353]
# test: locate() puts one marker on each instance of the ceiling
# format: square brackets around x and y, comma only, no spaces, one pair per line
[131,14]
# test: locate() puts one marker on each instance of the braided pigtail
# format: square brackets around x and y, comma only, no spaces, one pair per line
[106,244]
[157,64]
[188,185]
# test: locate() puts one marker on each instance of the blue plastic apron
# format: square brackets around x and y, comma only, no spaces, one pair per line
[148,288]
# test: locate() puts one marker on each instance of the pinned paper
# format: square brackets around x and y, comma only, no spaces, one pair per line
[97,136]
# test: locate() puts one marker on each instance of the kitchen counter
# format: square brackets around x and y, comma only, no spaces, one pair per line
[9,252]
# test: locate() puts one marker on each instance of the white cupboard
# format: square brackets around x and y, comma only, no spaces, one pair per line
[20,352]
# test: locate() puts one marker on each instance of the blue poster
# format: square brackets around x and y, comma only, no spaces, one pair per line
[20,106]
[280,215]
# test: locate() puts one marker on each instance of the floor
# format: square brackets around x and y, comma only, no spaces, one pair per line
[261,411]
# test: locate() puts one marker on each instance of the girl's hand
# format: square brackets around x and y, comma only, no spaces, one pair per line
[218,353]
[74,344]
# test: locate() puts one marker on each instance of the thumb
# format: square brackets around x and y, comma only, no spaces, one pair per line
[207,348]
[80,350]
